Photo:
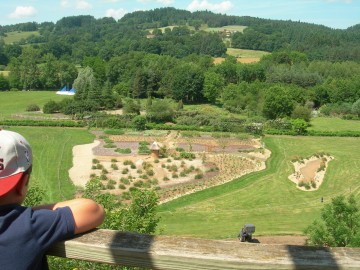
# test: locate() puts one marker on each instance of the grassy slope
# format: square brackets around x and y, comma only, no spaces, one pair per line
[246,53]
[267,199]
[17,102]
[238,28]
[334,124]
[16,36]
[52,151]
[52,146]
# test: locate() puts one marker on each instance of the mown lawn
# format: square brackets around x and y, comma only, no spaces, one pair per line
[17,102]
[52,151]
[267,199]
[334,124]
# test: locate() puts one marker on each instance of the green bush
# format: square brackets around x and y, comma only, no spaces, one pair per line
[109,145]
[51,107]
[114,131]
[123,150]
[33,108]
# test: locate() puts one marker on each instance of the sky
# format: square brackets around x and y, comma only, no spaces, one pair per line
[338,14]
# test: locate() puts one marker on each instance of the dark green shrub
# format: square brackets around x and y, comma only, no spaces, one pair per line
[124,181]
[51,107]
[32,108]
[114,131]
[123,150]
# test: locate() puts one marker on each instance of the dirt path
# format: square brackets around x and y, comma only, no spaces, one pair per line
[82,162]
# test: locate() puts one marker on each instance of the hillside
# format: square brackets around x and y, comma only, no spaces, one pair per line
[110,37]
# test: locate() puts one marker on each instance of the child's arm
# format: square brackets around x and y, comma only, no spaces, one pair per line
[87,213]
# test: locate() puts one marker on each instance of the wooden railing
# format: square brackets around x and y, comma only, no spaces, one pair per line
[165,252]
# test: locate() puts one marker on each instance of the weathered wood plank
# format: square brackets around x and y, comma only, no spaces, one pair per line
[165,252]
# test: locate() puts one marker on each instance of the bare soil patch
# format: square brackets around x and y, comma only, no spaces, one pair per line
[309,173]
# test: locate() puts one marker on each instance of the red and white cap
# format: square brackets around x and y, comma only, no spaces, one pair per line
[15,159]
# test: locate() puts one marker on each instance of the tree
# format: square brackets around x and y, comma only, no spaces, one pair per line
[355,109]
[67,73]
[187,83]
[139,122]
[301,112]
[161,111]
[131,107]
[299,126]
[86,86]
[29,70]
[213,86]
[4,83]
[277,103]
[339,225]
[49,72]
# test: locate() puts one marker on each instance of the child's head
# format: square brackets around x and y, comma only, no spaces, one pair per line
[15,160]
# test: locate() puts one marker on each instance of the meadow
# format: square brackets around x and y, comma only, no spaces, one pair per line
[17,102]
[12,37]
[334,124]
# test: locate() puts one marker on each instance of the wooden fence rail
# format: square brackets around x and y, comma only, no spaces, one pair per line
[165,252]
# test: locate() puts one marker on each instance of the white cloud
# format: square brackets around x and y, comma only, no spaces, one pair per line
[65,3]
[23,12]
[335,1]
[78,4]
[205,5]
[165,2]
[82,4]
[116,13]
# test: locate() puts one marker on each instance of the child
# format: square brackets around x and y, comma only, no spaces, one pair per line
[26,233]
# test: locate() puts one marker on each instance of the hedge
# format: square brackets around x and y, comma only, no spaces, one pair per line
[42,123]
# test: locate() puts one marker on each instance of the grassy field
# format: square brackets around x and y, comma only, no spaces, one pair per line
[245,53]
[267,199]
[5,73]
[243,56]
[52,151]
[334,124]
[17,102]
[238,28]
[12,37]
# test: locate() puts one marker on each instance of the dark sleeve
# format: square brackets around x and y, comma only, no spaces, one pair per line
[50,226]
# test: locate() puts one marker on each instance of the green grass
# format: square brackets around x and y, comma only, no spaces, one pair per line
[334,124]
[4,73]
[245,53]
[238,28]
[12,37]
[267,198]
[17,102]
[52,152]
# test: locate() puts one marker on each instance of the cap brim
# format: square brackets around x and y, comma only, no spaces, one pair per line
[8,183]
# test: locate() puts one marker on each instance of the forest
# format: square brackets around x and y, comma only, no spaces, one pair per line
[166,54]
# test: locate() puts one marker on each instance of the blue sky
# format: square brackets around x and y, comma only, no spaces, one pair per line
[332,13]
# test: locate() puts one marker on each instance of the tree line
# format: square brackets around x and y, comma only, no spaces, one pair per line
[110,62]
